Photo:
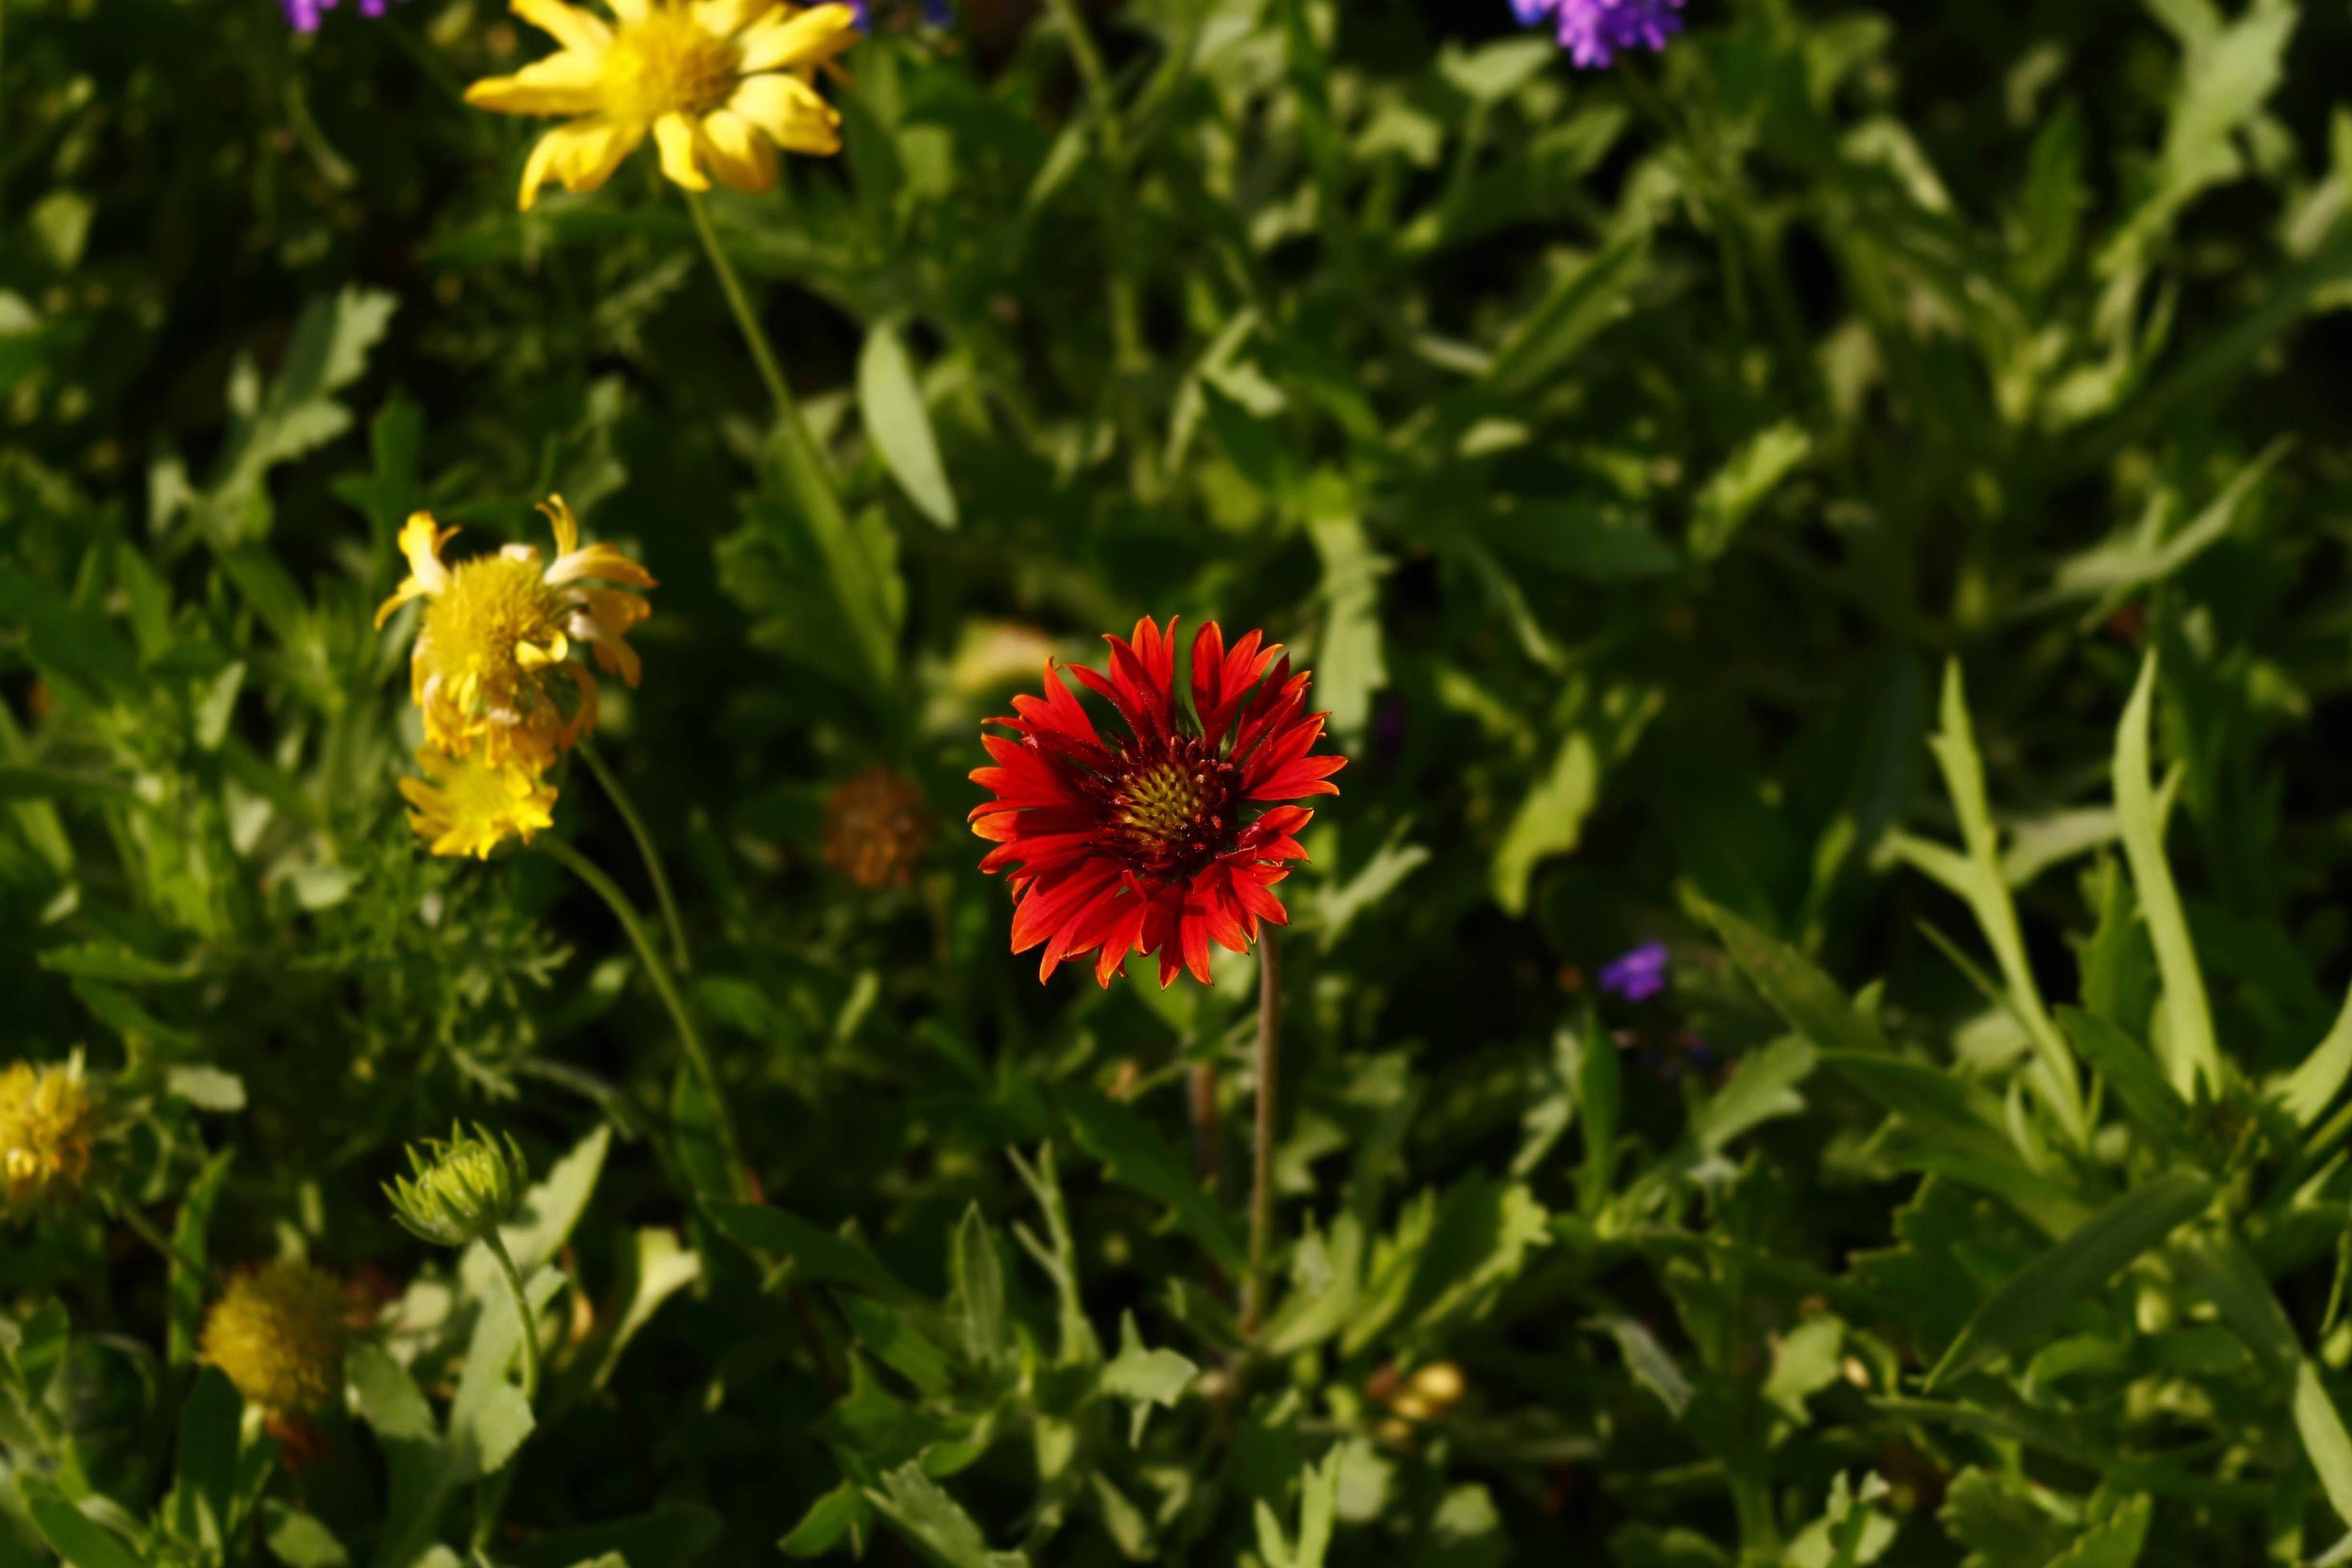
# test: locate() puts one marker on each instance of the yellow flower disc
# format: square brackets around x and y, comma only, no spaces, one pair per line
[280,1332]
[49,1122]
[492,670]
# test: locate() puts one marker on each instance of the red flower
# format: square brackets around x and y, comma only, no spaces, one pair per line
[1142,843]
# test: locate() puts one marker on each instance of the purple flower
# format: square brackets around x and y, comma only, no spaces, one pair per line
[302,16]
[936,13]
[1593,31]
[1640,974]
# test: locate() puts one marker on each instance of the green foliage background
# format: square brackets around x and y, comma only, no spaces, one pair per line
[1631,455]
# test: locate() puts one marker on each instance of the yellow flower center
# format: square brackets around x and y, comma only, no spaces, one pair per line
[279,1333]
[495,625]
[665,62]
[47,1125]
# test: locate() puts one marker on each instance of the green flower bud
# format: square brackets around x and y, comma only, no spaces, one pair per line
[461,1190]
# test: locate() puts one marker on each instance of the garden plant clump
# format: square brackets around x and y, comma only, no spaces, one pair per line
[1287,783]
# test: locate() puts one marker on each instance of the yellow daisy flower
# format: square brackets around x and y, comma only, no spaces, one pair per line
[49,1122]
[467,806]
[492,668]
[717,82]
[280,1332]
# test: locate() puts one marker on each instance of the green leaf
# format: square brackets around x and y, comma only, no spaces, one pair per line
[1807,1000]
[2312,1088]
[1318,1512]
[935,1522]
[2131,1071]
[1349,666]
[1804,1364]
[2115,1543]
[1650,1363]
[203,1487]
[2030,1302]
[2323,1437]
[1136,1156]
[818,1257]
[1551,819]
[73,1535]
[657,1266]
[1585,300]
[1478,1243]
[841,1513]
[1764,1088]
[298,1540]
[890,401]
[1743,484]
[1144,1377]
[665,1538]
[190,1251]
[976,1275]
[2193,1058]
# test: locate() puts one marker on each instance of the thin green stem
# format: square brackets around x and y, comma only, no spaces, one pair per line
[803,467]
[1269,1043]
[133,1216]
[755,337]
[698,1056]
[497,1244]
[680,954]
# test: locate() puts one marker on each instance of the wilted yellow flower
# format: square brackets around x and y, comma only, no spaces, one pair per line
[48,1121]
[280,1332]
[876,827]
[492,668]
[716,82]
[469,805]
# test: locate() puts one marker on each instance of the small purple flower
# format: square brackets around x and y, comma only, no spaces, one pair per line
[936,13]
[1593,31]
[1640,974]
[302,16]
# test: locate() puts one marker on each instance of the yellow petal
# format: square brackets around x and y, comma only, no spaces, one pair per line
[565,83]
[674,135]
[812,37]
[583,154]
[630,12]
[725,18]
[789,111]
[567,25]
[738,155]
[566,526]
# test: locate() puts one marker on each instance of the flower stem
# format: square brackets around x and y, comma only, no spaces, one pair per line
[696,1055]
[133,1216]
[497,1244]
[1269,1039]
[680,954]
[806,473]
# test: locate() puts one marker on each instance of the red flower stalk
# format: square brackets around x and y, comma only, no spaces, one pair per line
[1143,842]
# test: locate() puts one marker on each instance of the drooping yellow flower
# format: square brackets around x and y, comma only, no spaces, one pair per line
[49,1122]
[469,805]
[280,1332]
[491,670]
[721,83]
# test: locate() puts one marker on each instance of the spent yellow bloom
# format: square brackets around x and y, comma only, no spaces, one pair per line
[49,1123]
[470,805]
[491,670]
[721,83]
[280,1332]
